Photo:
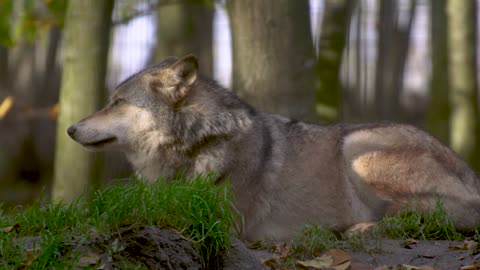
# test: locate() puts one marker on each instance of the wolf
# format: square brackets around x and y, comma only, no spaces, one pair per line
[284,173]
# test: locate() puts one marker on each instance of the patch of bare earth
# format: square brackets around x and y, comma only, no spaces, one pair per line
[151,247]
[382,254]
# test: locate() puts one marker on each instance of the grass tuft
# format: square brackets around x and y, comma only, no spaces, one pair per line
[195,207]
[313,240]
[424,226]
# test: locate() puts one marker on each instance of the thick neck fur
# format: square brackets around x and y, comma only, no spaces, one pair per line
[201,129]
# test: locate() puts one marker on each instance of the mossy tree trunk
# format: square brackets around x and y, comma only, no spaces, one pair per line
[85,50]
[331,44]
[273,56]
[464,120]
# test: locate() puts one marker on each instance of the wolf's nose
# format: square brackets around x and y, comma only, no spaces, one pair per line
[71,130]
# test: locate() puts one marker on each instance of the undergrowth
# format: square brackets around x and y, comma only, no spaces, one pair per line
[416,225]
[196,207]
[408,224]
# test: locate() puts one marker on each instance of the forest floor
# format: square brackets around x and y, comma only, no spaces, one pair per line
[188,225]
[382,254]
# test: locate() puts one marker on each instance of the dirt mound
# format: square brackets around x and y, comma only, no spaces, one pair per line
[152,247]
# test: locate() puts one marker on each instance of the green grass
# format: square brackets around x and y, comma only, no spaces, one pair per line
[424,226]
[312,240]
[197,208]
[408,224]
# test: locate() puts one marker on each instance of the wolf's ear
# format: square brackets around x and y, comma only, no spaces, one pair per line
[186,69]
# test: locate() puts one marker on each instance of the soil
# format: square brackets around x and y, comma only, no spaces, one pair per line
[384,254]
[160,248]
[437,254]
[151,247]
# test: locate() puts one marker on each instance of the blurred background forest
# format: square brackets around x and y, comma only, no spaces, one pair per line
[325,61]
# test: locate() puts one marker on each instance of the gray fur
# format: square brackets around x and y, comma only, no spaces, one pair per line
[284,173]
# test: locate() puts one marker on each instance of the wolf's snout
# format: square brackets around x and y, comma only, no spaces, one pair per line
[71,130]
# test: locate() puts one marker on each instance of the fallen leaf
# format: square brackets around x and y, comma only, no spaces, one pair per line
[117,246]
[408,243]
[360,228]
[471,245]
[270,262]
[5,106]
[88,260]
[474,266]
[11,228]
[462,247]
[343,266]
[339,256]
[259,244]
[321,262]
[282,251]
[413,267]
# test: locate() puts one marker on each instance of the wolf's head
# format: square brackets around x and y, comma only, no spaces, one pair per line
[167,106]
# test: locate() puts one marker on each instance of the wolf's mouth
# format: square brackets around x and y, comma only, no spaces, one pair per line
[101,142]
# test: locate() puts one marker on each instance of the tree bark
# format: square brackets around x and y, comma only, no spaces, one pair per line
[183,28]
[85,47]
[464,120]
[393,45]
[273,57]
[439,110]
[4,72]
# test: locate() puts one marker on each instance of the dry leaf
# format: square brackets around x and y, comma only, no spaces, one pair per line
[360,228]
[11,228]
[474,266]
[339,256]
[408,243]
[462,247]
[471,244]
[343,266]
[321,262]
[5,106]
[413,267]
[270,262]
[282,250]
[90,259]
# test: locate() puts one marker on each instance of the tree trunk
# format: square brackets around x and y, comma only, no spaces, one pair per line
[4,72]
[273,57]
[438,113]
[464,120]
[85,47]
[183,28]
[393,44]
[332,40]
